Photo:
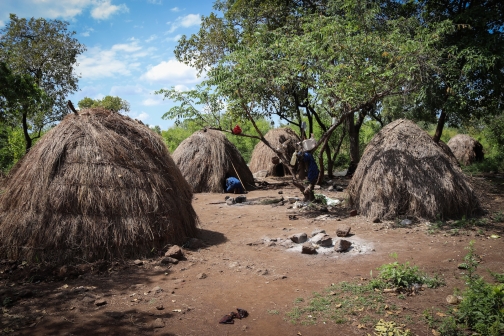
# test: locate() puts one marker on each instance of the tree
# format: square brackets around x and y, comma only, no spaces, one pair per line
[112,103]
[45,51]
[339,62]
[470,78]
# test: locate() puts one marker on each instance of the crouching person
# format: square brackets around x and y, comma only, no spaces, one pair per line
[233,185]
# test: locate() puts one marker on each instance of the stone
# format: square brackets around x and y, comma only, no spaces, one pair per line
[226,198]
[194,243]
[293,200]
[452,299]
[156,290]
[299,238]
[230,201]
[353,213]
[240,199]
[325,241]
[315,239]
[100,302]
[339,188]
[331,188]
[158,323]
[376,220]
[169,260]
[316,187]
[317,231]
[308,248]
[343,231]
[175,252]
[201,276]
[342,245]
[160,307]
[280,192]
[138,262]
[406,222]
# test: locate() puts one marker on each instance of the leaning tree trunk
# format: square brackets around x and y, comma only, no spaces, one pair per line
[439,127]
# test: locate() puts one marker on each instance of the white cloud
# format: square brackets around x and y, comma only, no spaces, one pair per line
[152,101]
[173,39]
[185,21]
[66,9]
[172,72]
[126,47]
[151,38]
[175,9]
[104,9]
[181,88]
[118,60]
[142,116]
[155,2]
[87,32]
[127,90]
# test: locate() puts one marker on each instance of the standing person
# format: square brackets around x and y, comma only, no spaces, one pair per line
[233,185]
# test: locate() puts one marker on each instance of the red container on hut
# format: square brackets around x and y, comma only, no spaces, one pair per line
[237,130]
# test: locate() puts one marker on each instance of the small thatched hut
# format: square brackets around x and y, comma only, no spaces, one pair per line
[263,157]
[207,157]
[466,149]
[98,185]
[403,172]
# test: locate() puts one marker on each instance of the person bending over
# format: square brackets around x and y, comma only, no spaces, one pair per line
[233,185]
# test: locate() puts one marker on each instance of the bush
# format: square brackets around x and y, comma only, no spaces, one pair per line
[482,306]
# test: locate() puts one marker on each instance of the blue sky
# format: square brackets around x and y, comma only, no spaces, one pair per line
[129,44]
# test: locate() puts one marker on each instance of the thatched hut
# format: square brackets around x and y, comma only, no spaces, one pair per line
[99,185]
[466,149]
[403,172]
[207,157]
[263,158]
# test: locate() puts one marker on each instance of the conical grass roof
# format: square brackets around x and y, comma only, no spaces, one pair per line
[98,185]
[262,154]
[403,172]
[207,157]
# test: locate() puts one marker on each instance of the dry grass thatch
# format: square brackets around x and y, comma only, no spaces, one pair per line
[466,149]
[206,157]
[262,154]
[403,172]
[98,185]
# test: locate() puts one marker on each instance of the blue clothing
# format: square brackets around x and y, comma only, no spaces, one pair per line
[233,183]
[313,171]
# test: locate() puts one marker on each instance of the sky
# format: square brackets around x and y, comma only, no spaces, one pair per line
[130,46]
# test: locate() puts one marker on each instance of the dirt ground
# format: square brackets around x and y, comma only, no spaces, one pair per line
[246,264]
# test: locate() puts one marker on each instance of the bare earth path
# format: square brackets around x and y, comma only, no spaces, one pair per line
[241,267]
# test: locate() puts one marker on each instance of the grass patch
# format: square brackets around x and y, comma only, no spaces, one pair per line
[365,302]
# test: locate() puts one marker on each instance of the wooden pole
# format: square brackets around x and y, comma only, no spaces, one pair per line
[243,185]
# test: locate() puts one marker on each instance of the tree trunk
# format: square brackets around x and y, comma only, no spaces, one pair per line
[439,127]
[353,135]
[28,140]
[329,163]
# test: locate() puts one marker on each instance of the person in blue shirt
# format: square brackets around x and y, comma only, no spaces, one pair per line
[233,185]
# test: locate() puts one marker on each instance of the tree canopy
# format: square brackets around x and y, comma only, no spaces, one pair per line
[112,103]
[45,51]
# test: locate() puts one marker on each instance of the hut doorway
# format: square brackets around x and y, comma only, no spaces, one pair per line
[279,170]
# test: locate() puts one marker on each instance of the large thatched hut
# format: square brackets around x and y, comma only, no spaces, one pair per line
[403,172]
[466,149]
[98,185]
[207,157]
[263,158]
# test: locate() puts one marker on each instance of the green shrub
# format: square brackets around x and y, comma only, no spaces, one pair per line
[482,306]
[403,275]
